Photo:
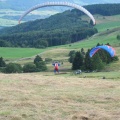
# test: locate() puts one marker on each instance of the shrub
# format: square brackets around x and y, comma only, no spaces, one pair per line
[47,60]
[2,69]
[29,67]
[13,68]
[41,66]
[115,58]
[118,37]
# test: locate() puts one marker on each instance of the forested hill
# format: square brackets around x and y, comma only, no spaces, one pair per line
[65,20]
[58,29]
[104,9]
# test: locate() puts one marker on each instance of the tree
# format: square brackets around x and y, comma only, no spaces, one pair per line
[41,44]
[82,51]
[72,56]
[88,62]
[37,59]
[2,62]
[41,66]
[118,37]
[103,55]
[91,22]
[97,63]
[78,61]
[71,52]
[4,43]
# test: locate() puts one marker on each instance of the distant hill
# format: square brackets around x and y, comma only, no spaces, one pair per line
[25,4]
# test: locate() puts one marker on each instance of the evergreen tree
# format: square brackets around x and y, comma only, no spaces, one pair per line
[41,66]
[98,44]
[82,51]
[71,59]
[102,53]
[109,58]
[2,62]
[78,61]
[88,61]
[37,59]
[97,63]
[72,52]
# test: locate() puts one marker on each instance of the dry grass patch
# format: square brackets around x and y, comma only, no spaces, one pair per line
[41,97]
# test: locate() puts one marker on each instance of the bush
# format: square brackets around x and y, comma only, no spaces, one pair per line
[47,60]
[118,37]
[2,69]
[29,67]
[41,66]
[13,68]
[115,58]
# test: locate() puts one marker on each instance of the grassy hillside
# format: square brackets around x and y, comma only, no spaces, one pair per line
[60,53]
[15,53]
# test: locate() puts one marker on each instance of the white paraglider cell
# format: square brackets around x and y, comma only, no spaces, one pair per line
[59,4]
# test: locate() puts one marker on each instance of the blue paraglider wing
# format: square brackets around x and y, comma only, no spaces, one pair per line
[107,48]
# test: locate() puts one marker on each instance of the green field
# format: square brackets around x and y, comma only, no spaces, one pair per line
[107,26]
[103,37]
[107,22]
[15,53]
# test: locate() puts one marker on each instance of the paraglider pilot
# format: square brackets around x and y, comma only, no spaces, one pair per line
[56,67]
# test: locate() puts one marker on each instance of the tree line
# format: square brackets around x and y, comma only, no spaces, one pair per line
[43,39]
[37,65]
[102,9]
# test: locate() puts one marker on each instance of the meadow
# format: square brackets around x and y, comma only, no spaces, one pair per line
[45,96]
[64,96]
[15,53]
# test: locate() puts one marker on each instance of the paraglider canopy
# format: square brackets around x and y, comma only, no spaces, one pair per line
[59,4]
[107,48]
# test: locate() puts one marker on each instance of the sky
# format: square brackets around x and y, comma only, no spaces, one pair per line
[78,1]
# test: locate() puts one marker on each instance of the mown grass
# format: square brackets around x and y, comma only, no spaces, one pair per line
[106,26]
[37,96]
[114,75]
[107,22]
[104,38]
[15,53]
